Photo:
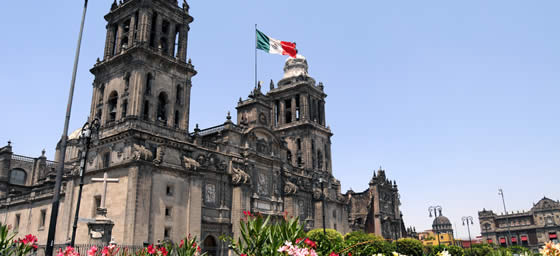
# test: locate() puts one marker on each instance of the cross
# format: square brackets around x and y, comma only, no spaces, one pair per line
[105,179]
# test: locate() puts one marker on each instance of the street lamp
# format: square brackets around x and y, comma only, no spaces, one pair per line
[60,168]
[435,209]
[501,193]
[88,130]
[467,219]
[322,181]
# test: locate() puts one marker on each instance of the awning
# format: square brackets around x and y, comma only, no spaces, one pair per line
[552,236]
[513,239]
[502,240]
[523,238]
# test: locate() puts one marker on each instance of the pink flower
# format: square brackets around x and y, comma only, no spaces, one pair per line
[151,249]
[92,251]
[163,251]
[310,243]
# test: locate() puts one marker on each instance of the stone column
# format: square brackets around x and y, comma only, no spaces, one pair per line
[5,164]
[120,32]
[159,21]
[181,49]
[171,39]
[282,111]
[145,25]
[131,30]
[109,42]
[241,201]
[138,81]
[194,206]
[303,107]
[322,111]
[130,205]
[293,108]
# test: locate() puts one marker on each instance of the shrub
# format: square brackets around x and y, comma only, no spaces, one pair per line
[10,246]
[409,246]
[455,250]
[360,243]
[332,242]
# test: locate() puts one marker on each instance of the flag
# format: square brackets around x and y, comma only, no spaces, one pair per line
[275,46]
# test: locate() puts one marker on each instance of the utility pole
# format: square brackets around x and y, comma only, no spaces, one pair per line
[60,168]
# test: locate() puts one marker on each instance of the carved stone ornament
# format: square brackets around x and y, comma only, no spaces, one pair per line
[190,164]
[141,153]
[317,193]
[290,188]
[239,176]
[159,155]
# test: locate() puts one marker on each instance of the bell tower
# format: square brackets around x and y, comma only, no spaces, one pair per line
[144,74]
[298,113]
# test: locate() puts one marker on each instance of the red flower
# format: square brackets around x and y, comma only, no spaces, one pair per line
[298,240]
[163,251]
[310,243]
[151,249]
[333,254]
[182,243]
[194,245]
[349,254]
[198,248]
[243,254]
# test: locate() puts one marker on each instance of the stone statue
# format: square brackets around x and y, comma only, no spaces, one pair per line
[141,153]
[317,193]
[239,176]
[290,188]
[159,155]
[190,164]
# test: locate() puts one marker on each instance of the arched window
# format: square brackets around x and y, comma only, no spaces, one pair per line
[289,156]
[101,92]
[176,122]
[112,106]
[178,95]
[162,107]
[17,177]
[319,160]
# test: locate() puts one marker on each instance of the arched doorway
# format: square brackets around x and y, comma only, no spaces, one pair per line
[210,246]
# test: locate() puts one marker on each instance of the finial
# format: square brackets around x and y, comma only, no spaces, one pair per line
[228,116]
[190,61]
[43,152]
[271,84]
[114,5]
[240,100]
[9,143]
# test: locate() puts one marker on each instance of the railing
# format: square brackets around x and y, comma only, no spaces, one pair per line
[23,158]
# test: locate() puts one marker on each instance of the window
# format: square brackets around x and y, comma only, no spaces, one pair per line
[167,211]
[42,218]
[289,156]
[277,112]
[126,81]
[179,94]
[106,159]
[176,121]
[124,108]
[288,111]
[97,204]
[149,80]
[153,30]
[298,142]
[112,106]
[101,92]
[16,222]
[319,160]
[297,108]
[167,233]
[162,107]
[17,177]
[146,114]
[169,190]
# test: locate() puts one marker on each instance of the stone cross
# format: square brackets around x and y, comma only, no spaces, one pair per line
[105,179]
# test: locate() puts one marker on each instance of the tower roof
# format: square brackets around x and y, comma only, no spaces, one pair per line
[295,67]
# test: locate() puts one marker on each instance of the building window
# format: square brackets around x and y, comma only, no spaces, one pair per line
[289,156]
[148,89]
[96,204]
[16,222]
[124,108]
[126,81]
[179,94]
[146,114]
[162,107]
[167,211]
[112,106]
[176,121]
[17,177]
[167,233]
[169,190]
[288,111]
[42,218]
[106,159]
[101,92]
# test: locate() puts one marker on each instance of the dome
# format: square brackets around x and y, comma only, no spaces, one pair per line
[441,221]
[295,67]
[75,134]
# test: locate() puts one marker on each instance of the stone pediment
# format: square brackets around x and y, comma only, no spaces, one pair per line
[546,203]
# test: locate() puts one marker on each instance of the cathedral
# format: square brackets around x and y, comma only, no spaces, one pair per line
[149,178]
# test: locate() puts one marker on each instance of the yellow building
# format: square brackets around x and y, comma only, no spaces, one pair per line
[429,237]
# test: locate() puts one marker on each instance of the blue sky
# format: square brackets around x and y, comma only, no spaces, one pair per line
[453,98]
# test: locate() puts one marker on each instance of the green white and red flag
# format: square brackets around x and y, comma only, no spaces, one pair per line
[275,46]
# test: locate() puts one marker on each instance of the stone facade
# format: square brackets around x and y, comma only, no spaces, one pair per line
[532,228]
[169,182]
[376,210]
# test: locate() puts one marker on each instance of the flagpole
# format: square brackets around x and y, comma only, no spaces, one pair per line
[256,41]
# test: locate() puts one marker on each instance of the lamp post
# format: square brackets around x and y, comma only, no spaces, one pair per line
[467,219]
[88,131]
[435,209]
[501,193]
[60,168]
[322,181]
